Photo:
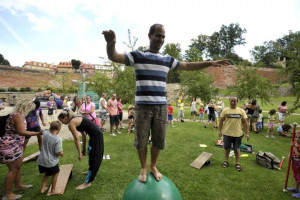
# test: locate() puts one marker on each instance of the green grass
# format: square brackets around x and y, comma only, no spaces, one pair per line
[182,147]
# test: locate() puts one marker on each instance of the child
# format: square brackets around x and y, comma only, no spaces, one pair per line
[272,119]
[131,118]
[259,124]
[283,130]
[48,158]
[201,115]
[217,117]
[170,115]
[295,157]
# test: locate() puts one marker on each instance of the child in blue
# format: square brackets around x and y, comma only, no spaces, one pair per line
[259,124]
[48,158]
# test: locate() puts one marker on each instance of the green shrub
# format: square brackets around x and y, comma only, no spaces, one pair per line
[2,90]
[12,89]
[22,89]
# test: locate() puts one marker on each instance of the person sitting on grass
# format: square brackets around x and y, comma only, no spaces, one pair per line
[295,157]
[233,118]
[48,158]
[284,130]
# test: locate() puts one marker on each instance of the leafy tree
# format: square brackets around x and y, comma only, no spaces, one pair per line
[142,48]
[62,85]
[196,84]
[250,84]
[265,54]
[99,82]
[193,54]
[124,83]
[214,46]
[230,36]
[131,41]
[3,61]
[173,50]
[75,64]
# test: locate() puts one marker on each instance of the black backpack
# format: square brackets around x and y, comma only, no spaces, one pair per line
[3,120]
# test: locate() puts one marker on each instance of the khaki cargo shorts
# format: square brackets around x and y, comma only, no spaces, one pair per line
[150,118]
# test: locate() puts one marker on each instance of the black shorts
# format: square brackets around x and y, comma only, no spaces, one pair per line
[212,118]
[120,116]
[34,129]
[232,142]
[114,120]
[50,171]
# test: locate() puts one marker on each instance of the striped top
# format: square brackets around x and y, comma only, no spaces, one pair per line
[151,70]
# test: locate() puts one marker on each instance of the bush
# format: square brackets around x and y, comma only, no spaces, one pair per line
[22,89]
[12,89]
[2,90]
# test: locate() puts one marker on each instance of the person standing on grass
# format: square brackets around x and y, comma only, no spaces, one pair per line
[193,109]
[180,111]
[103,111]
[170,115]
[112,109]
[272,119]
[232,120]
[151,70]
[95,146]
[211,114]
[48,158]
[201,113]
[120,110]
[282,111]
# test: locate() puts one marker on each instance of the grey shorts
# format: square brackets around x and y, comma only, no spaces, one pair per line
[150,118]
[103,116]
[232,142]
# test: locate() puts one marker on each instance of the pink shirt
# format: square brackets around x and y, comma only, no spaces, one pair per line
[87,107]
[112,106]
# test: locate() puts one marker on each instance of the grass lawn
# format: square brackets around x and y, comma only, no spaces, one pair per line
[182,147]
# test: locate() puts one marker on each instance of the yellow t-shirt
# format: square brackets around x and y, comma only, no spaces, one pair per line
[181,106]
[232,125]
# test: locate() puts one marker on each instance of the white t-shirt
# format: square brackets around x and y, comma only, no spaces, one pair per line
[101,109]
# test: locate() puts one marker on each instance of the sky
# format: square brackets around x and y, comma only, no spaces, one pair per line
[60,30]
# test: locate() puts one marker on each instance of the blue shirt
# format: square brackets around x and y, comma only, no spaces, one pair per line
[151,70]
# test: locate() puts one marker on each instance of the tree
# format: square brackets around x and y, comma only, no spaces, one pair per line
[230,36]
[196,84]
[193,54]
[250,84]
[173,50]
[265,54]
[3,61]
[99,82]
[131,41]
[75,64]
[124,83]
[62,85]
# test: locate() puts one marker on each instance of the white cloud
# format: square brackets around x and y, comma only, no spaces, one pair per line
[41,24]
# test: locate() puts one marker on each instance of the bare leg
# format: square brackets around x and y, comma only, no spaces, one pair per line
[40,141]
[13,169]
[44,184]
[154,156]
[237,156]
[54,190]
[25,144]
[227,151]
[142,153]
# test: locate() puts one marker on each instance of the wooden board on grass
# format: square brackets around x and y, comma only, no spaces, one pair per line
[31,157]
[200,160]
[62,179]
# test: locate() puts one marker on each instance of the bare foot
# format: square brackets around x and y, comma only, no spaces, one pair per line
[143,175]
[12,196]
[43,190]
[83,186]
[23,187]
[56,192]
[158,176]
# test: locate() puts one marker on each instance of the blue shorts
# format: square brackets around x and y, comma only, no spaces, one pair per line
[201,116]
[170,117]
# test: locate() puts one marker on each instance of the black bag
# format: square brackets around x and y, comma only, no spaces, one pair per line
[3,120]
[268,160]
[50,111]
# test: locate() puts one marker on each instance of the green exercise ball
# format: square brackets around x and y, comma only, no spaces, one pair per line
[164,189]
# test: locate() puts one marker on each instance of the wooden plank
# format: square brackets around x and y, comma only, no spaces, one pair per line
[31,157]
[200,160]
[62,179]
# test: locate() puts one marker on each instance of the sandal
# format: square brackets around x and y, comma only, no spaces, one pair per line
[297,195]
[225,164]
[17,197]
[292,190]
[25,188]
[238,167]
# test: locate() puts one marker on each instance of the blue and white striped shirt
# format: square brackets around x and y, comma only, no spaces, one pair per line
[151,70]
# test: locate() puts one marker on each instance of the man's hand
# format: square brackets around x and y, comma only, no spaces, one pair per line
[247,137]
[109,36]
[220,134]
[83,151]
[80,156]
[44,123]
[219,63]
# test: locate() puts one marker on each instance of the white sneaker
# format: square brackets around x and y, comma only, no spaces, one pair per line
[267,136]
[112,134]
[272,136]
[107,157]
[118,132]
[103,157]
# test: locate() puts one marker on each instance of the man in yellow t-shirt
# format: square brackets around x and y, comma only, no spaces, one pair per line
[231,120]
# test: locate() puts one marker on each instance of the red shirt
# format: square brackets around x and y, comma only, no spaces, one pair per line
[201,110]
[170,110]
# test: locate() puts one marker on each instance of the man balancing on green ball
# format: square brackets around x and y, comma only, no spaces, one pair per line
[151,70]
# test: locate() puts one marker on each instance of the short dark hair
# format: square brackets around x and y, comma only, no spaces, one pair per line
[37,103]
[153,28]
[283,103]
[55,126]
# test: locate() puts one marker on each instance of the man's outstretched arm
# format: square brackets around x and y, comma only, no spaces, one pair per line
[112,54]
[202,65]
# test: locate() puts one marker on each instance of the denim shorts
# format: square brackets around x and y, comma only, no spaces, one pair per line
[150,119]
